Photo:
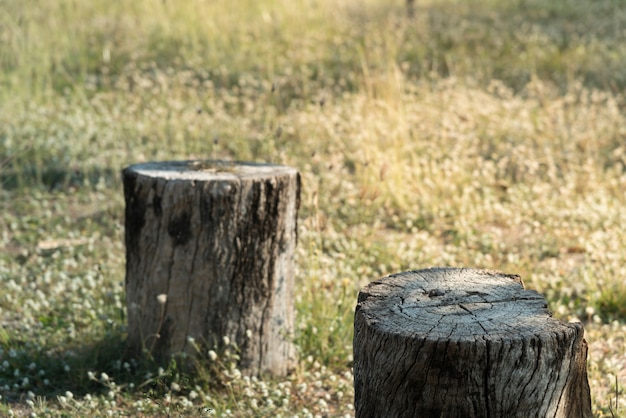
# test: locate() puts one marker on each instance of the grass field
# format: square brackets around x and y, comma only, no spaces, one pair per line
[478,133]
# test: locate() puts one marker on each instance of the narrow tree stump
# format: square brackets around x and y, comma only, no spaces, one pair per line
[449,342]
[209,249]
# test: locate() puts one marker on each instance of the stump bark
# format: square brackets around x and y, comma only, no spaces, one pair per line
[209,251]
[448,342]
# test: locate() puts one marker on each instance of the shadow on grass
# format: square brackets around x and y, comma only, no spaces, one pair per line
[56,178]
[562,41]
[52,369]
[92,368]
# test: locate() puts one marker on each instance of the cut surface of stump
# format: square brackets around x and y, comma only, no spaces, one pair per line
[451,342]
[209,248]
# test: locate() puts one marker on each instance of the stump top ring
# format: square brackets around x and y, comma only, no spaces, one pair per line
[457,304]
[208,169]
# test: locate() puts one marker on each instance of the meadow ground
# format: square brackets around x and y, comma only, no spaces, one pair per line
[483,133]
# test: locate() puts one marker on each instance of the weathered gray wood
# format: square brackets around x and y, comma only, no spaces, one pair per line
[209,248]
[448,342]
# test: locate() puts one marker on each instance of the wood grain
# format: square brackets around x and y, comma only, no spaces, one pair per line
[218,239]
[449,342]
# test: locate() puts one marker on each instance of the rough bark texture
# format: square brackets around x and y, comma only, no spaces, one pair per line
[218,239]
[448,342]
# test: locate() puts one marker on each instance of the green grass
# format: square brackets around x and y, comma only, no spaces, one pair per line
[478,133]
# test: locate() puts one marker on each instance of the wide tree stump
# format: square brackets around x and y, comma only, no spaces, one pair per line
[209,249]
[448,342]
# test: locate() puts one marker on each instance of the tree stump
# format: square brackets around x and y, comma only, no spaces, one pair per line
[448,342]
[209,251]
